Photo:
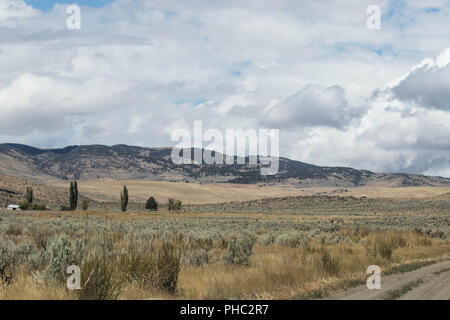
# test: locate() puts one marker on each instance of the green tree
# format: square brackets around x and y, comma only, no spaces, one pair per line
[85,205]
[39,207]
[73,197]
[173,204]
[151,204]
[24,204]
[124,199]
[29,195]
[75,184]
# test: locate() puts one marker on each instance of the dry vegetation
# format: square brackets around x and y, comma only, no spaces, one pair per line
[196,193]
[12,190]
[286,248]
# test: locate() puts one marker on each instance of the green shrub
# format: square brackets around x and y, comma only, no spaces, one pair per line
[290,239]
[85,205]
[239,251]
[23,252]
[24,204]
[38,259]
[61,256]
[173,204]
[266,239]
[151,204]
[13,256]
[39,207]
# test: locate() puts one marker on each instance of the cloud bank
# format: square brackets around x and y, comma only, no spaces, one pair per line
[137,70]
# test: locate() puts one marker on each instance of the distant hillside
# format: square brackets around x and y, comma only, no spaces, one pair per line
[12,190]
[137,163]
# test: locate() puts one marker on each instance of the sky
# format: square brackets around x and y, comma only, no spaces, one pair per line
[340,94]
[47,5]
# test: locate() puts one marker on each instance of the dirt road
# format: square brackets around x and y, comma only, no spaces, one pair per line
[428,283]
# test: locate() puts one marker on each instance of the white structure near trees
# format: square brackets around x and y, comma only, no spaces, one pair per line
[13,207]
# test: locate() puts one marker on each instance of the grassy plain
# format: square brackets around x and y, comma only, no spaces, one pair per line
[196,193]
[282,248]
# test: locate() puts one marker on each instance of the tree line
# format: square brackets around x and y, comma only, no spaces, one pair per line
[151,204]
[28,202]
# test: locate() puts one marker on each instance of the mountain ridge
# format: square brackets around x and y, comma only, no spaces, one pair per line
[86,162]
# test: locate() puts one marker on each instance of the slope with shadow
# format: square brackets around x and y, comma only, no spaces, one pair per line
[138,163]
[13,188]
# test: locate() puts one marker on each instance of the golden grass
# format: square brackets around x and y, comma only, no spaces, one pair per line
[195,193]
[397,192]
[274,272]
[284,273]
[24,287]
[189,193]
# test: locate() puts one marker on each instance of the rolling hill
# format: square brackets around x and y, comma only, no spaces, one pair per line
[122,162]
[12,190]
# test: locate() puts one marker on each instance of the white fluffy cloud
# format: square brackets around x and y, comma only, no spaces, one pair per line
[395,134]
[428,85]
[139,69]
[312,106]
[11,11]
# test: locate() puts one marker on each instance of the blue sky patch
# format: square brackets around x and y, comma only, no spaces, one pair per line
[432,10]
[179,101]
[351,47]
[236,69]
[47,5]
[395,8]
[199,101]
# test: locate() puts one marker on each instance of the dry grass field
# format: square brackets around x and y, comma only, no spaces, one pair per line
[196,193]
[193,193]
[284,248]
[398,192]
